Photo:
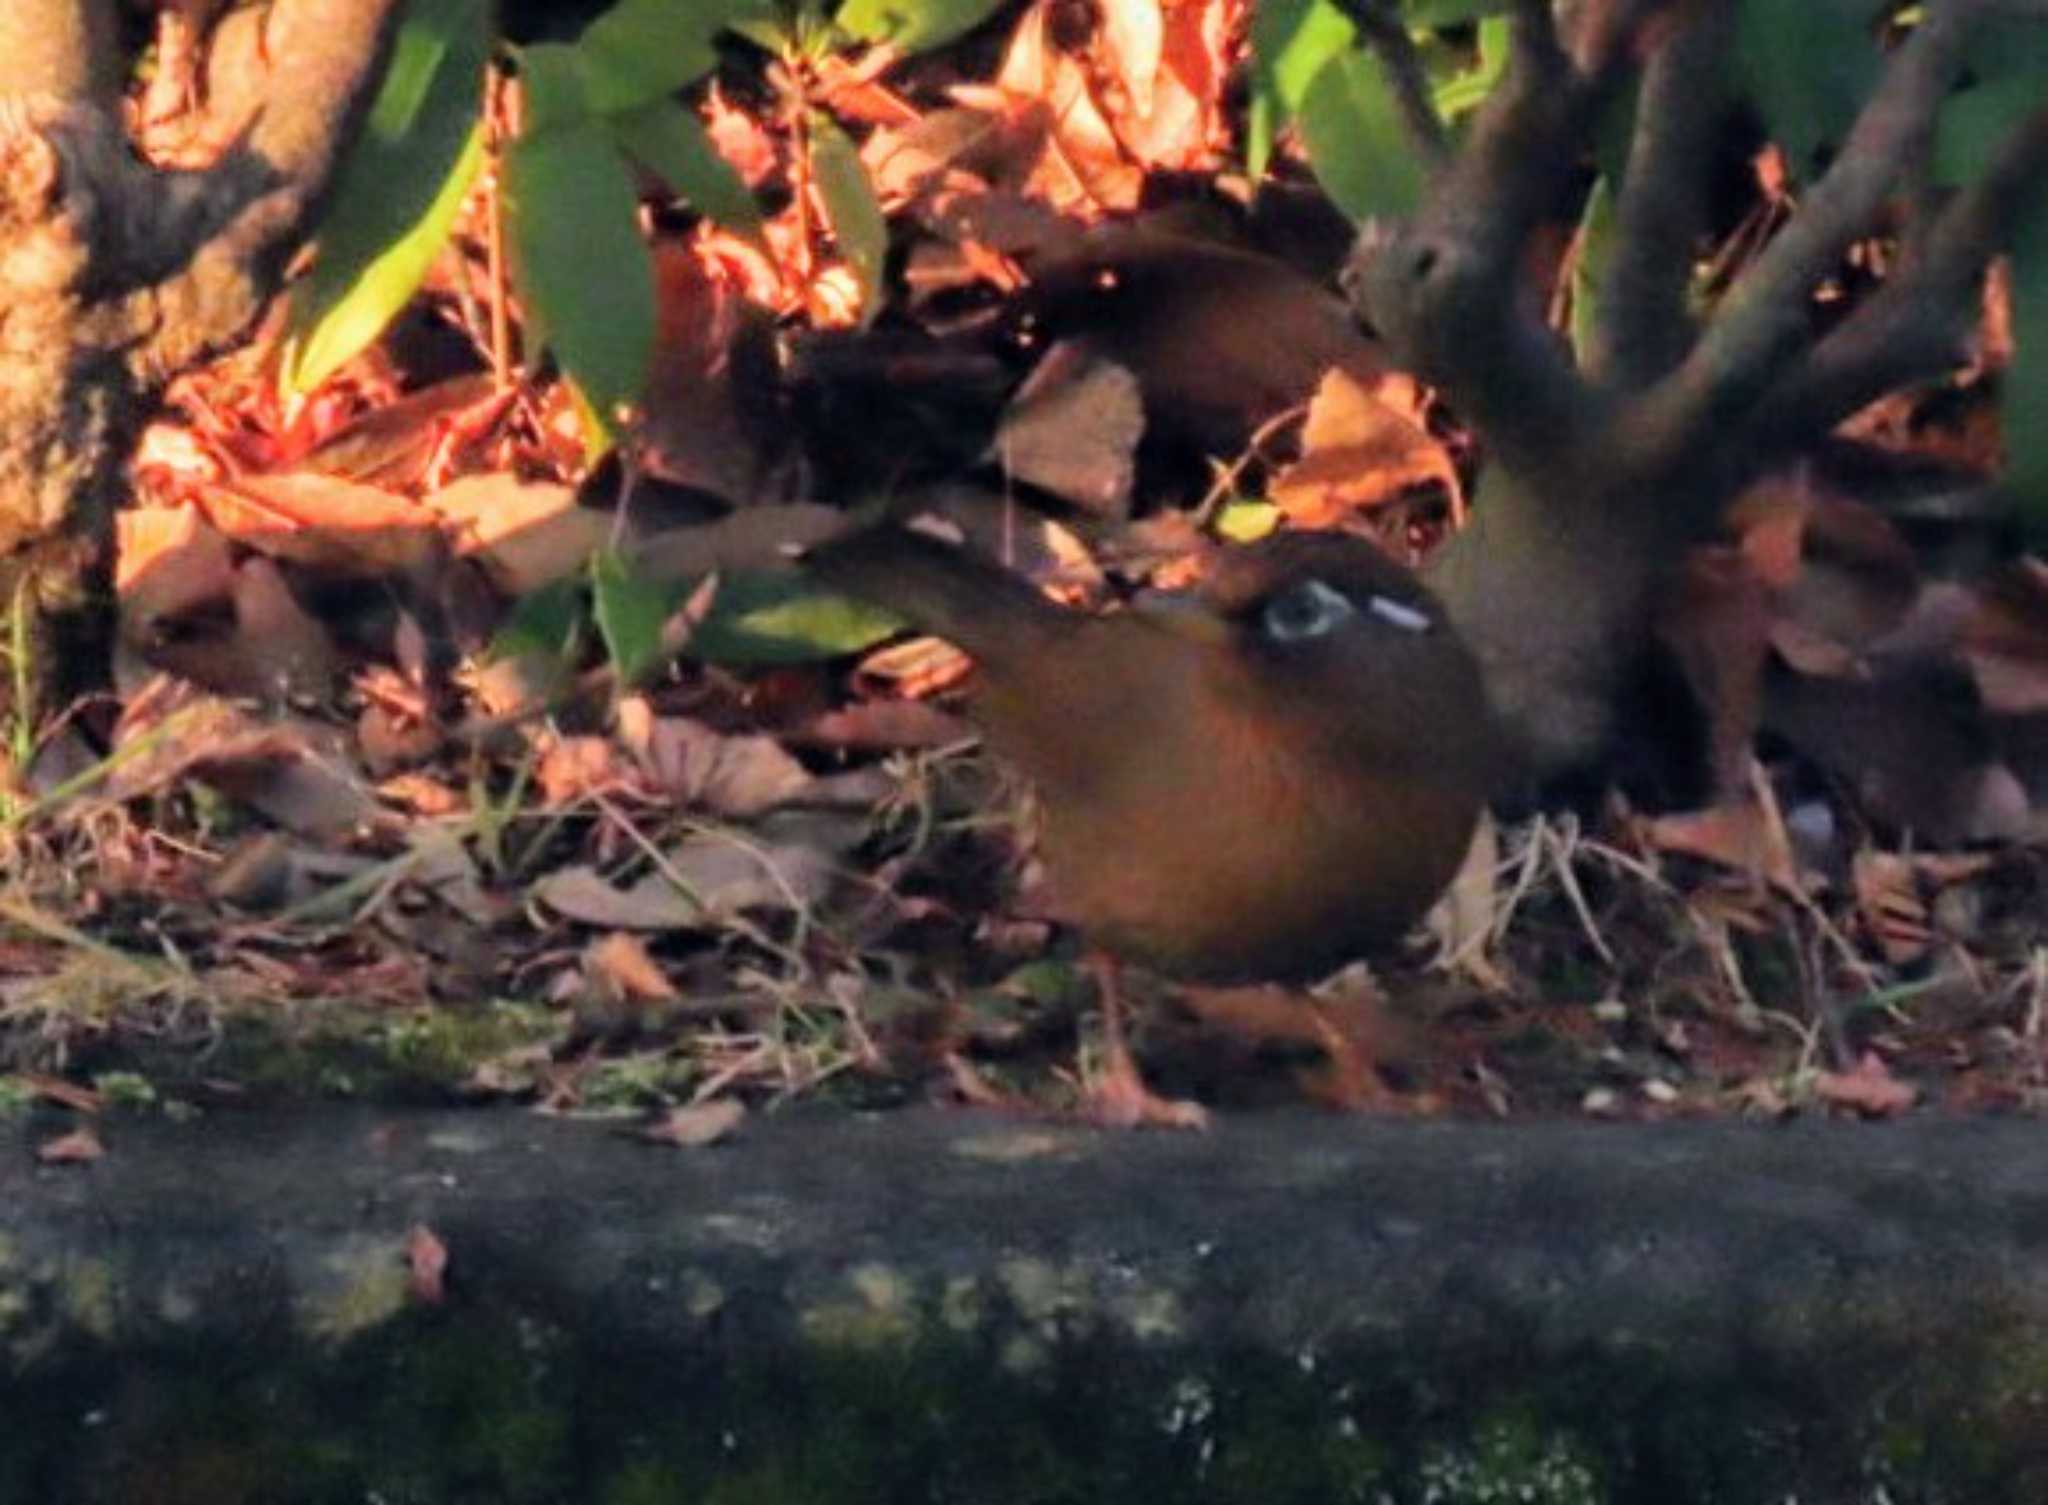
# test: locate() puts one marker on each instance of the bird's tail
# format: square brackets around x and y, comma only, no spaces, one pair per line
[995,614]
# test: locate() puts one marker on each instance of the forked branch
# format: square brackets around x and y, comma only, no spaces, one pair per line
[1448,291]
[1763,329]
[1643,329]
[1918,325]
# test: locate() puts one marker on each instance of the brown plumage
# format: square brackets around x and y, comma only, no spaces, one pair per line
[1257,780]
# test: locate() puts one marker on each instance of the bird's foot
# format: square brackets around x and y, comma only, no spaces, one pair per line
[1119,1099]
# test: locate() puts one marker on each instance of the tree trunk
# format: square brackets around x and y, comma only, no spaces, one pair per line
[1607,463]
[115,276]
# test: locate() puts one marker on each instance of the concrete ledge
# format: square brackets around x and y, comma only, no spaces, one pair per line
[956,1307]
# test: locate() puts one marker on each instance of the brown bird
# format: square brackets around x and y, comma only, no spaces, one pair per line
[1256,780]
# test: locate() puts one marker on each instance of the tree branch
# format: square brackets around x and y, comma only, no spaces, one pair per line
[1918,325]
[59,49]
[1764,325]
[234,226]
[1447,290]
[1643,329]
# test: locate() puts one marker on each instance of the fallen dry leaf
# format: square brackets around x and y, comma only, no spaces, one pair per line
[169,561]
[788,861]
[399,444]
[337,526]
[697,1125]
[1073,428]
[1739,834]
[1359,450]
[1463,920]
[574,768]
[619,964]
[1173,116]
[526,534]
[1130,41]
[292,769]
[1911,739]
[1717,621]
[708,770]
[1082,169]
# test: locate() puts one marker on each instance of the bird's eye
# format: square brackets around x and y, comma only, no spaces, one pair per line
[1308,610]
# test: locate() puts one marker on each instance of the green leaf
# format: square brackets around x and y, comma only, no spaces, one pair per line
[1808,67]
[557,97]
[913,25]
[354,291]
[668,140]
[1291,42]
[399,191]
[1247,521]
[2024,395]
[1466,89]
[640,51]
[2009,77]
[781,26]
[1356,142]
[851,209]
[764,618]
[1589,267]
[546,624]
[582,268]
[1420,13]
[2002,47]
[1975,122]
[631,610]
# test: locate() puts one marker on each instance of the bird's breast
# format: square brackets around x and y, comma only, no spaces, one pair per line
[1238,856]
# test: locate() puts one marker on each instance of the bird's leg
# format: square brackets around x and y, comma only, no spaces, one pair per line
[1118,1095]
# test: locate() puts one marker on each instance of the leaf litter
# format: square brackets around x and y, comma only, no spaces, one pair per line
[389,784]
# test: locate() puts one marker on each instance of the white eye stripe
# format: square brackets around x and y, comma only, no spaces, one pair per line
[1398,613]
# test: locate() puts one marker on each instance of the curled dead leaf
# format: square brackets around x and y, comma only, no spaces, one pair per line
[725,775]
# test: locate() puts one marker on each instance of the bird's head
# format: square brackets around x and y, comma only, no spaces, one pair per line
[1327,628]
